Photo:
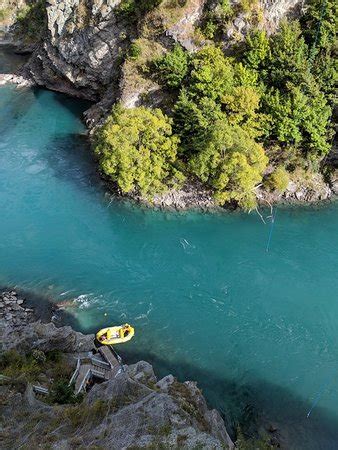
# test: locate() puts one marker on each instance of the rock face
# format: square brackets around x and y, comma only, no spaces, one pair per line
[81,51]
[334,182]
[267,15]
[20,329]
[306,187]
[132,410]
[86,43]
[176,413]
[275,11]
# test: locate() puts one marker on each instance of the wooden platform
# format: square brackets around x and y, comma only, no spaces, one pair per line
[107,366]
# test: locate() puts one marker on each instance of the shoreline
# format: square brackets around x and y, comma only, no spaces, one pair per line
[194,196]
[129,391]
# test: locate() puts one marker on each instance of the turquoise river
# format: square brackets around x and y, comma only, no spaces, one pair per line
[258,330]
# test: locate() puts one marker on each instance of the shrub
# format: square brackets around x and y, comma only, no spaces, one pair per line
[209,28]
[16,365]
[126,10]
[278,180]
[247,5]
[39,356]
[54,356]
[78,415]
[130,9]
[172,68]
[134,51]
[4,14]
[62,393]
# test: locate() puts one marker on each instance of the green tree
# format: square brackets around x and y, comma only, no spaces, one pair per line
[232,163]
[320,24]
[300,120]
[194,121]
[172,68]
[320,31]
[137,150]
[288,61]
[211,74]
[278,180]
[257,49]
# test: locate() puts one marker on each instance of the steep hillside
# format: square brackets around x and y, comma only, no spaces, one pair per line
[239,94]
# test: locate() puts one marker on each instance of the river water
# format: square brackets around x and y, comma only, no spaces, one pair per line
[258,330]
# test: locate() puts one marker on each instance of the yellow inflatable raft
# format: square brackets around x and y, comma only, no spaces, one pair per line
[115,335]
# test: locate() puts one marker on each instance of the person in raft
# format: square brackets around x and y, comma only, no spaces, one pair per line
[103,337]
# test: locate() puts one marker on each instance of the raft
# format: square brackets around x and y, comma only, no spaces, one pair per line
[115,335]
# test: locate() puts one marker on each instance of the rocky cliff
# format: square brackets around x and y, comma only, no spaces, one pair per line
[132,410]
[86,47]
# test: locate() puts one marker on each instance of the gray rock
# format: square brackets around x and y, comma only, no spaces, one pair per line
[165,383]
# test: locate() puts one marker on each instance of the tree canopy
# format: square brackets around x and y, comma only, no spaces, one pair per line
[272,98]
[137,148]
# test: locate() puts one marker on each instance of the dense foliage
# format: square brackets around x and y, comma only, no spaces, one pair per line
[137,150]
[297,107]
[231,115]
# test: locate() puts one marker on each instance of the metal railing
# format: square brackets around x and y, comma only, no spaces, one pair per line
[40,389]
[76,372]
[84,381]
[99,363]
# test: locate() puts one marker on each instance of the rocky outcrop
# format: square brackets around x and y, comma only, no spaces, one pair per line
[334,182]
[303,187]
[85,47]
[274,11]
[263,14]
[82,49]
[132,410]
[21,329]
[192,195]
[14,79]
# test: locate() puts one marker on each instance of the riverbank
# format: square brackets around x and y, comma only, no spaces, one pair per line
[307,188]
[134,409]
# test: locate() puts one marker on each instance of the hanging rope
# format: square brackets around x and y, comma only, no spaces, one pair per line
[273,217]
[325,386]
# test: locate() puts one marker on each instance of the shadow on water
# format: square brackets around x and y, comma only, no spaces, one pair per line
[254,407]
[10,61]
[75,106]
[72,160]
